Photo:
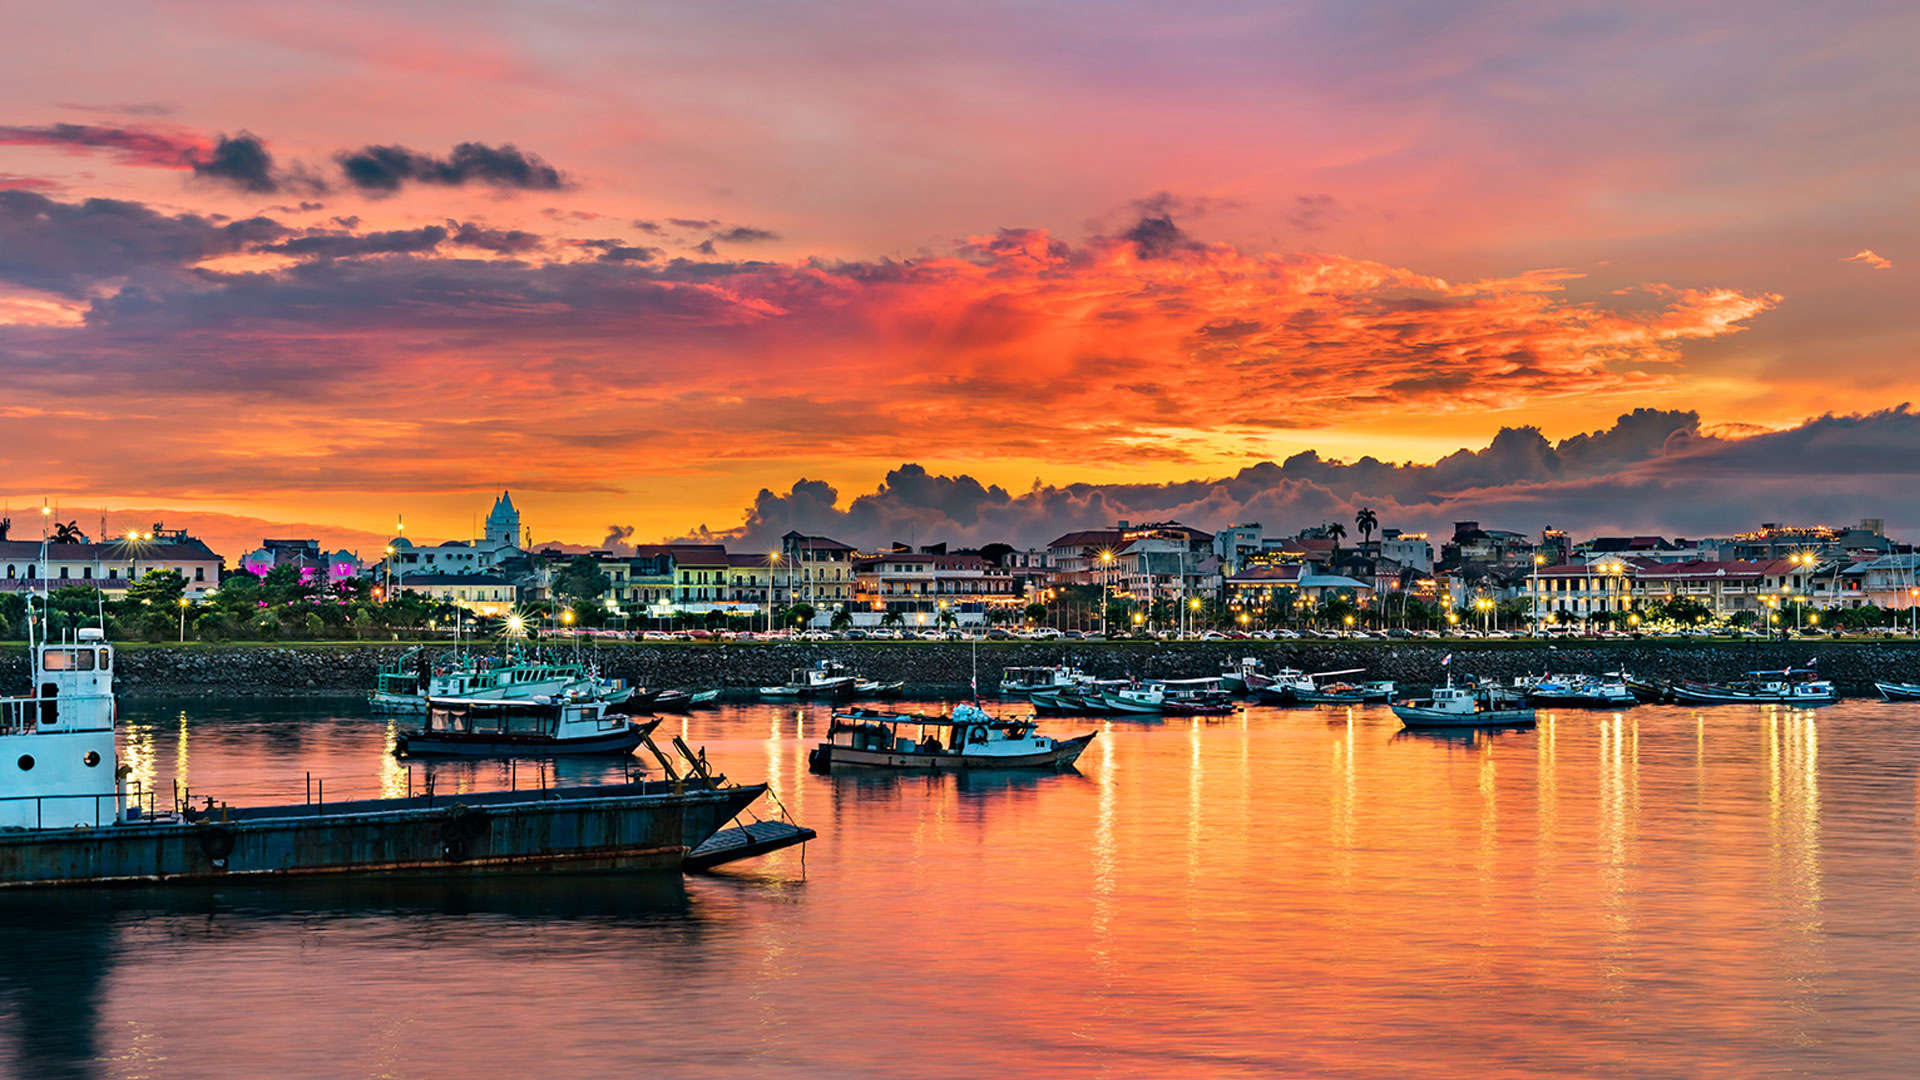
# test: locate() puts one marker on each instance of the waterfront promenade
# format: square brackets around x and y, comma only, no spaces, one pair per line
[948,667]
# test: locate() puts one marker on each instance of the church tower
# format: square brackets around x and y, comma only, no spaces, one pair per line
[503,524]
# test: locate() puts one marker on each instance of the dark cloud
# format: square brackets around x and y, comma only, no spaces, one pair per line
[651,228]
[693,223]
[619,538]
[328,244]
[383,169]
[745,234]
[1157,237]
[240,160]
[705,247]
[498,241]
[620,251]
[127,145]
[69,247]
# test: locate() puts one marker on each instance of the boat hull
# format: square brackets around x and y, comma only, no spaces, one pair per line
[1702,696]
[383,701]
[1412,716]
[1062,754]
[454,744]
[1893,691]
[614,827]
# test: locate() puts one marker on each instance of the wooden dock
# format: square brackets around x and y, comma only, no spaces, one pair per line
[745,842]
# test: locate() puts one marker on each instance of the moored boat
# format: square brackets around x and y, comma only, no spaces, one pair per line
[490,727]
[828,679]
[1897,691]
[1451,706]
[1022,681]
[1582,691]
[973,739]
[1787,686]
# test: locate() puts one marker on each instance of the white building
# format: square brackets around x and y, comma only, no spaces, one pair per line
[500,542]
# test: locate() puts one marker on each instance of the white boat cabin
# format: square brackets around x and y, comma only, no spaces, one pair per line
[58,765]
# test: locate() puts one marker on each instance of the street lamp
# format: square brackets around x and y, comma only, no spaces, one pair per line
[1106,587]
[1538,562]
[1193,622]
[184,605]
[773,560]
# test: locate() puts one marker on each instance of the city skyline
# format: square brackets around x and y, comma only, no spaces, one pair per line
[1223,238]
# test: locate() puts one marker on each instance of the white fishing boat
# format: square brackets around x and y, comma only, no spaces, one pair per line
[1451,706]
[1788,686]
[1581,691]
[967,738]
[1021,681]
[825,679]
[1291,686]
[531,727]
[1898,691]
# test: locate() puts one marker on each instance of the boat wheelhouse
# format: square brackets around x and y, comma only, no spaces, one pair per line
[57,753]
[967,738]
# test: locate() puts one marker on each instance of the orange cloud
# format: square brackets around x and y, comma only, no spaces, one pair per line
[419,374]
[1866,257]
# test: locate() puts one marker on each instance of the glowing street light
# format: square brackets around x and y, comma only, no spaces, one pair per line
[184,605]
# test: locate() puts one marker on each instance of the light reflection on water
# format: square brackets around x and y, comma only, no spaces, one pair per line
[1657,892]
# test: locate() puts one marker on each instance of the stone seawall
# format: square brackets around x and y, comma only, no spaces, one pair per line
[261,670]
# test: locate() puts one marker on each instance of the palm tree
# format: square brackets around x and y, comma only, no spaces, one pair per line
[1366,521]
[68,532]
[891,618]
[1339,533]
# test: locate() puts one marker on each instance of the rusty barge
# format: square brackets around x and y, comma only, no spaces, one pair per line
[69,817]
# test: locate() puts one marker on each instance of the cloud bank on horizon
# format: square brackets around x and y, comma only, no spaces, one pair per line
[1652,471]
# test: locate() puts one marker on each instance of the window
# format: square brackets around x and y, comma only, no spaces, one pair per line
[86,573]
[63,573]
[106,659]
[199,573]
[113,573]
[92,759]
[26,762]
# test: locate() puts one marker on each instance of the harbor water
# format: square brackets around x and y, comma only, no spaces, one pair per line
[1660,892]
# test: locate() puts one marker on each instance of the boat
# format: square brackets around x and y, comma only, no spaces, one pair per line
[1244,676]
[1291,686]
[868,688]
[510,677]
[1021,681]
[1649,691]
[1787,686]
[492,727]
[1582,691]
[400,687]
[671,701]
[72,815]
[973,739]
[828,679]
[1451,706]
[1377,691]
[704,699]
[1895,691]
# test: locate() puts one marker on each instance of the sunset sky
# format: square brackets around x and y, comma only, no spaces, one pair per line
[324,265]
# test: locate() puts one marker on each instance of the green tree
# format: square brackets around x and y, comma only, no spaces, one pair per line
[13,615]
[581,582]
[1036,612]
[841,620]
[158,590]
[799,615]
[892,618]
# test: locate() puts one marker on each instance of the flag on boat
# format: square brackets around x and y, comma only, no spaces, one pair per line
[1447,659]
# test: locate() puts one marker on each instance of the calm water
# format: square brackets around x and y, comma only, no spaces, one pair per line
[1726,892]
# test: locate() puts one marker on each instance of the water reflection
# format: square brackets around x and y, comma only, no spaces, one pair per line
[1658,891]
